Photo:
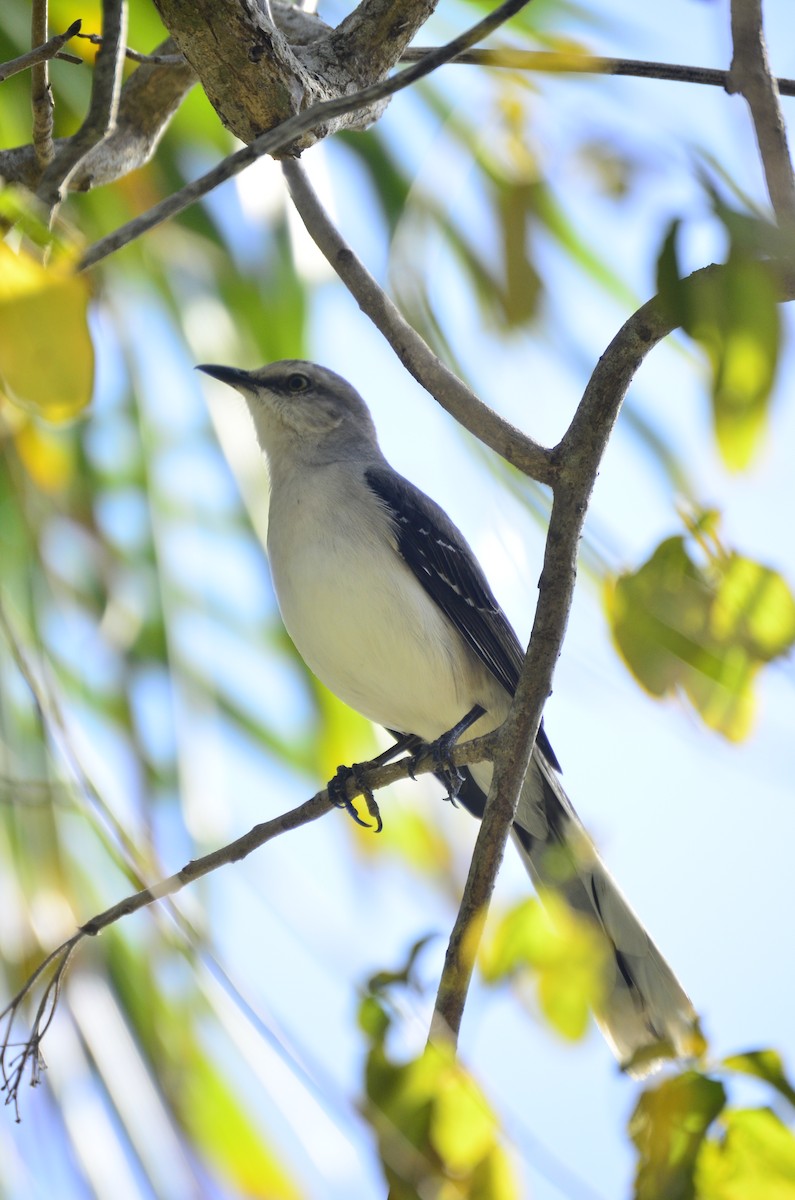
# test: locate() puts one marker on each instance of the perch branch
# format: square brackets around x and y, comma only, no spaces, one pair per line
[370,777]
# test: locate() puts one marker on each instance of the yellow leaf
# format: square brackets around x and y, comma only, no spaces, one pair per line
[47,458]
[565,953]
[46,355]
[755,1159]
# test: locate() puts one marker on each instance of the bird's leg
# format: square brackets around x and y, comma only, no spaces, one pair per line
[338,786]
[448,772]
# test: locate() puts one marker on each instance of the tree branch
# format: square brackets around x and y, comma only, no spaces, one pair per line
[103,108]
[369,778]
[40,54]
[279,140]
[148,101]
[415,354]
[40,91]
[556,63]
[750,75]
[578,457]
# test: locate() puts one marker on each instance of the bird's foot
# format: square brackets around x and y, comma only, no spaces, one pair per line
[448,773]
[338,794]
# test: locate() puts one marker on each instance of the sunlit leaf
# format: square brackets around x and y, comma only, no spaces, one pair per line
[437,1133]
[46,355]
[668,1127]
[766,1065]
[48,459]
[704,629]
[733,315]
[753,1160]
[563,951]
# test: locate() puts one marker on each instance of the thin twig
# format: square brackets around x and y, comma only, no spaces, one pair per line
[750,75]
[415,353]
[103,108]
[41,101]
[156,60]
[368,778]
[278,140]
[41,54]
[557,63]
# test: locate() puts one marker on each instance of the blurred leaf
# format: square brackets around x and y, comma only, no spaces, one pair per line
[46,355]
[522,288]
[562,949]
[766,1065]
[704,629]
[437,1133]
[222,1130]
[753,1160]
[733,315]
[668,1127]
[47,458]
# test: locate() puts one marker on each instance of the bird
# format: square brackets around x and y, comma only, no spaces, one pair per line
[388,606]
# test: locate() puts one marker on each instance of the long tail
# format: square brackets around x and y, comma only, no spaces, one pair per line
[646,1017]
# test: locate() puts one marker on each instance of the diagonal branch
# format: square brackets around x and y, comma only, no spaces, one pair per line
[750,75]
[41,54]
[415,353]
[53,968]
[578,458]
[279,140]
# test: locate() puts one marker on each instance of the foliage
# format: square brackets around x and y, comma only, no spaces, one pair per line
[150,703]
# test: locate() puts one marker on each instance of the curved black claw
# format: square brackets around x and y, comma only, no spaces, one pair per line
[448,773]
[338,795]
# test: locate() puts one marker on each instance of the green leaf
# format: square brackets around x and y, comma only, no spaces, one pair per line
[668,1127]
[563,950]
[705,630]
[46,355]
[766,1065]
[437,1134]
[754,1160]
[733,315]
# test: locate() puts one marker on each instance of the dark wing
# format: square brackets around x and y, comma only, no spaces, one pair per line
[444,564]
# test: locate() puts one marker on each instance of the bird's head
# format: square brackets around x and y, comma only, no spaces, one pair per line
[302,409]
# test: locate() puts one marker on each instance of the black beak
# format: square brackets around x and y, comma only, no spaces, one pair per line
[231,375]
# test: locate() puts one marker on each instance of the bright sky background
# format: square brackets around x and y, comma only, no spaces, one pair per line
[699,833]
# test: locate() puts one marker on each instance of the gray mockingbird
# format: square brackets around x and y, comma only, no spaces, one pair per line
[389,607]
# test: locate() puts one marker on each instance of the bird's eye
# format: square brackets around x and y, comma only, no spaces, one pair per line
[297,383]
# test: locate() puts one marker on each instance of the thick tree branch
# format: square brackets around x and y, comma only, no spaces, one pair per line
[277,141]
[750,75]
[415,354]
[41,54]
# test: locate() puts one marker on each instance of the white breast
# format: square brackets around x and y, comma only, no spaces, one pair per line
[357,615]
